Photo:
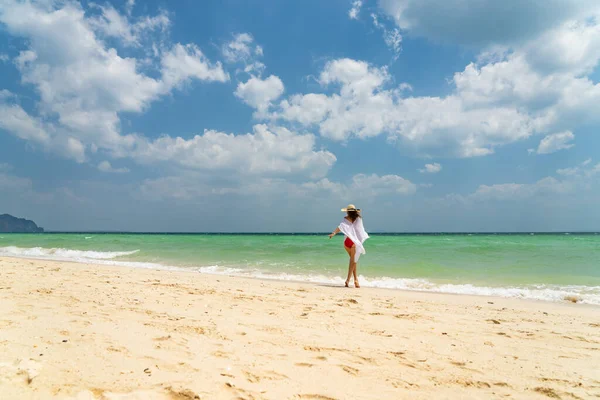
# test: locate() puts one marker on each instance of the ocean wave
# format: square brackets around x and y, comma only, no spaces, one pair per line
[555,293]
[580,294]
[62,254]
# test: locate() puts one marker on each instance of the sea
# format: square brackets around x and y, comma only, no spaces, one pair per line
[552,267]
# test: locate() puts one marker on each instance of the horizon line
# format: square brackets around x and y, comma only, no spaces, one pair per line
[310,232]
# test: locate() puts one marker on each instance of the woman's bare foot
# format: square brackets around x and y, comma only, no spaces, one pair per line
[346,283]
[356,285]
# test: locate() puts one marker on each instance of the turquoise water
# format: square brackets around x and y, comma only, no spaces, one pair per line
[542,266]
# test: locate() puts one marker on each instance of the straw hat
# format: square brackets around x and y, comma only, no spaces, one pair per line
[350,208]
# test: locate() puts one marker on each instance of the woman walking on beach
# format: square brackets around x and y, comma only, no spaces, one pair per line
[353,228]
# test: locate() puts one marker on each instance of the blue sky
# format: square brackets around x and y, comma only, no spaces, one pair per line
[270,116]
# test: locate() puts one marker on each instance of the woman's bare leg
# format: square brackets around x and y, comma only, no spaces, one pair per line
[349,251]
[353,266]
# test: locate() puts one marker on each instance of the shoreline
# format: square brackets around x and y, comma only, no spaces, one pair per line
[88,331]
[161,267]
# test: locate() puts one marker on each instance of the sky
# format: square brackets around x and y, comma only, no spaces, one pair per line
[270,116]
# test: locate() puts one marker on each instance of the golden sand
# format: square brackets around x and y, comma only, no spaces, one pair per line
[76,331]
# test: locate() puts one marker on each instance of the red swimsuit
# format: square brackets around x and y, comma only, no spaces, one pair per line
[348,243]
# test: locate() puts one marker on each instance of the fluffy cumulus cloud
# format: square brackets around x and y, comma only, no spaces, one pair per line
[83,84]
[431,168]
[256,92]
[267,151]
[555,142]
[368,105]
[183,63]
[260,93]
[539,84]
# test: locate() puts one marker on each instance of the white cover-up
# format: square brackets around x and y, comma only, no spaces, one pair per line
[356,232]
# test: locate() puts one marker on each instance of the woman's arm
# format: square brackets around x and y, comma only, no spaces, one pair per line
[332,234]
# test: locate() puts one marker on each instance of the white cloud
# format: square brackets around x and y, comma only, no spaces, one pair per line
[391,37]
[567,171]
[431,168]
[83,85]
[259,93]
[573,181]
[361,186]
[379,185]
[4,57]
[255,67]
[14,119]
[580,170]
[129,6]
[516,191]
[87,86]
[538,86]
[191,185]
[266,151]
[555,142]
[105,166]
[365,107]
[469,21]
[76,149]
[355,10]
[241,48]
[185,62]
[111,23]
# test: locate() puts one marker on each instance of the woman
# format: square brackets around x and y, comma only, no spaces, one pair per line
[352,227]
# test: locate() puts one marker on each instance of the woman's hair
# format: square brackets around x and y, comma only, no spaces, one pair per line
[353,215]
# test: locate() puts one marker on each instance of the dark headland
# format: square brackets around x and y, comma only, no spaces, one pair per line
[10,224]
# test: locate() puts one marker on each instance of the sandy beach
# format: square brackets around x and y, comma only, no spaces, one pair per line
[77,331]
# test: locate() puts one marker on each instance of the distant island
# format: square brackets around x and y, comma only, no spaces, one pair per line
[10,224]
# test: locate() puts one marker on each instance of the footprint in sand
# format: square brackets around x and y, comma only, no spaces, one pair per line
[268,375]
[182,394]
[349,370]
[308,365]
[547,391]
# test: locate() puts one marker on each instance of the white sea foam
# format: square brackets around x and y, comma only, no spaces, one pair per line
[62,254]
[583,294]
